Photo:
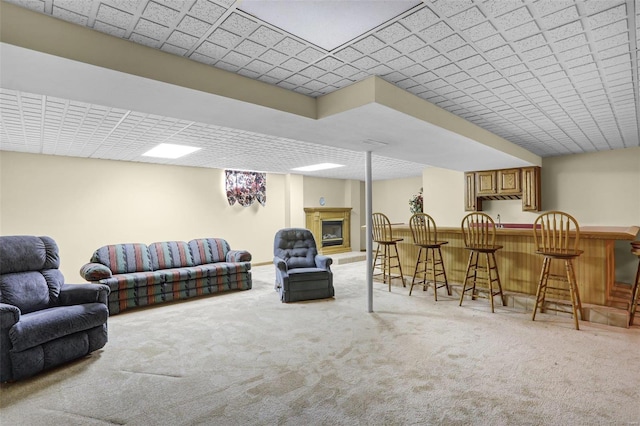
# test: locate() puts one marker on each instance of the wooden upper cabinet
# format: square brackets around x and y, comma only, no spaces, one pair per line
[505,184]
[486,183]
[531,189]
[471,201]
[509,182]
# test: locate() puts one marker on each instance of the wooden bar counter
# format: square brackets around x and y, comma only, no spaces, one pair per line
[518,264]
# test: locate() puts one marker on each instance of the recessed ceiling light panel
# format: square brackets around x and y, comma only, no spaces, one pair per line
[316,167]
[328,24]
[167,150]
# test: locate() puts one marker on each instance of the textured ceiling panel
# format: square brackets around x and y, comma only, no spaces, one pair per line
[553,76]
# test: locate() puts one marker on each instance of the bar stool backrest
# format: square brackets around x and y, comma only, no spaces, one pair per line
[556,231]
[423,229]
[381,227]
[478,230]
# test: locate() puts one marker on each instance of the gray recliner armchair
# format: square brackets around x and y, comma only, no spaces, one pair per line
[43,321]
[301,273]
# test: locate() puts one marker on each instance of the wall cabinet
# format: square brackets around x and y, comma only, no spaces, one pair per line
[531,198]
[506,184]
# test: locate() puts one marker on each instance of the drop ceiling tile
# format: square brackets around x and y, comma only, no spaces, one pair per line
[293,64]
[449,43]
[406,83]
[420,19]
[109,29]
[499,52]
[414,70]
[614,51]
[349,54]
[329,78]
[181,39]
[369,44]
[69,16]
[273,57]
[212,61]
[266,36]
[513,19]
[393,33]
[565,31]
[329,63]
[310,55]
[160,14]
[365,63]
[312,72]
[237,59]
[436,32]
[385,54]
[142,39]
[279,73]
[113,16]
[586,68]
[380,69]
[424,54]
[425,78]
[608,16]
[467,18]
[193,26]
[480,31]
[491,42]
[609,30]
[250,48]
[239,24]
[174,49]
[471,62]
[449,8]
[400,63]
[259,66]
[409,44]
[525,30]
[211,50]
[535,54]
[225,38]
[518,69]
[346,70]
[436,62]
[447,70]
[559,18]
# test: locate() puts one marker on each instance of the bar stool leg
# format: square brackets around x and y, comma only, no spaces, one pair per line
[444,272]
[430,251]
[542,287]
[395,247]
[417,271]
[635,296]
[574,293]
[488,265]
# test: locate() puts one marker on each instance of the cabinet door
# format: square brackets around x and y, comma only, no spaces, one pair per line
[509,182]
[486,183]
[471,201]
[531,189]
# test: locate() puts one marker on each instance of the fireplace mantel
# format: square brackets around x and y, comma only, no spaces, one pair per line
[331,216]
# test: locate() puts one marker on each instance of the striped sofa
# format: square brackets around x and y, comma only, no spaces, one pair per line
[140,275]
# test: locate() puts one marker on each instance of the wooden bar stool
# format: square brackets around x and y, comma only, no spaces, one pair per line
[388,257]
[635,289]
[479,233]
[425,236]
[556,236]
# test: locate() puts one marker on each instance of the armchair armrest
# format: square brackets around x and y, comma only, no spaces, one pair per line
[238,256]
[323,261]
[95,272]
[9,315]
[77,294]
[280,264]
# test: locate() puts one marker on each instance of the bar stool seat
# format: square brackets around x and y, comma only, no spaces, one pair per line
[386,257]
[479,233]
[556,236]
[425,236]
[635,289]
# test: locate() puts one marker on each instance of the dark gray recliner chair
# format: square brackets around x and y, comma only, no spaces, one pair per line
[301,273]
[43,321]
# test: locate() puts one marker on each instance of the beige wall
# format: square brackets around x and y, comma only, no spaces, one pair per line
[84,204]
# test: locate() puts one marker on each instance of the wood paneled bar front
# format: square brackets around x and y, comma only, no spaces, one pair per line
[519,265]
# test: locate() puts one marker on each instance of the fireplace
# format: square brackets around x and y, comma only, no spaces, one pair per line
[332,232]
[330,227]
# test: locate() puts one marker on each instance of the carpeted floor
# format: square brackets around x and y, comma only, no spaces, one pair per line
[244,358]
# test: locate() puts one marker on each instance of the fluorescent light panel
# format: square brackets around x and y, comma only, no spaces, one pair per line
[327,24]
[167,150]
[316,167]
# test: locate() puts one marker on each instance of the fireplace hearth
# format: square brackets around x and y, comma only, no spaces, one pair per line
[330,227]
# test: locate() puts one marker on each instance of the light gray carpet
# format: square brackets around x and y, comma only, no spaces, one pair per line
[244,358]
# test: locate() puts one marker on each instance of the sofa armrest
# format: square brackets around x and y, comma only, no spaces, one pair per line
[238,256]
[9,315]
[95,272]
[323,261]
[280,264]
[77,294]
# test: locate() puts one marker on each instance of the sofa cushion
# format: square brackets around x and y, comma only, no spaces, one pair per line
[170,254]
[45,325]
[124,258]
[218,269]
[209,250]
[133,279]
[31,291]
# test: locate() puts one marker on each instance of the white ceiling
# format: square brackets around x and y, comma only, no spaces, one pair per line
[551,76]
